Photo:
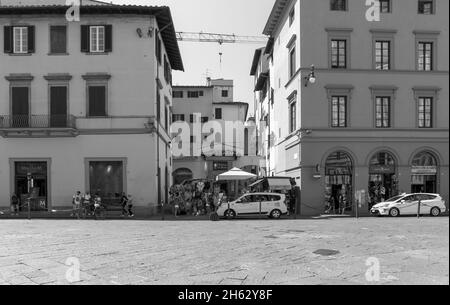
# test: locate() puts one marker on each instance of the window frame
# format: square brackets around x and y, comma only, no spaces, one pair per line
[292,16]
[383,112]
[88,102]
[50,51]
[389,6]
[23,43]
[216,112]
[97,50]
[334,7]
[421,2]
[339,34]
[340,91]
[345,99]
[293,114]
[431,120]
[427,37]
[424,53]
[384,92]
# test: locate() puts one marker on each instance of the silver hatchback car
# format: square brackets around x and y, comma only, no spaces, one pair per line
[408,204]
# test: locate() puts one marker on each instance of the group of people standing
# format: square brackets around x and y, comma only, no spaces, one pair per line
[93,203]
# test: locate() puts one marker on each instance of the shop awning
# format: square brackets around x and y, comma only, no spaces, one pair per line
[279,184]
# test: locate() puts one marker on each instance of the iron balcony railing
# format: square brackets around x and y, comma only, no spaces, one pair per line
[37,121]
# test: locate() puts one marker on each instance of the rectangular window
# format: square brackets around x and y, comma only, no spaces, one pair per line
[291,16]
[382,55]
[383,112]
[292,117]
[58,39]
[339,111]
[158,47]
[205,119]
[425,56]
[218,113]
[191,118]
[292,62]
[178,94]
[194,94]
[338,5]
[425,112]
[385,6]
[20,40]
[97,39]
[338,54]
[97,101]
[426,7]
[224,93]
[107,178]
[178,118]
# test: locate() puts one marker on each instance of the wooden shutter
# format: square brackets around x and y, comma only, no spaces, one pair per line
[8,39]
[31,39]
[85,42]
[97,101]
[108,38]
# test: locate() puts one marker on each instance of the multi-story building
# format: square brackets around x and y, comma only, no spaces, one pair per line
[210,104]
[85,105]
[371,118]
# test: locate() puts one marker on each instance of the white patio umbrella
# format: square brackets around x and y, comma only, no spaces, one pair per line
[235,174]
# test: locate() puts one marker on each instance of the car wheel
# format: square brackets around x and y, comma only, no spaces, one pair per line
[435,212]
[275,214]
[394,212]
[230,214]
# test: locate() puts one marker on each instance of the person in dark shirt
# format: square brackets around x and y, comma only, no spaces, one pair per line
[124,202]
[15,204]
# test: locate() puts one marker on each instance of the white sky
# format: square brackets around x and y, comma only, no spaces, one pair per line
[240,17]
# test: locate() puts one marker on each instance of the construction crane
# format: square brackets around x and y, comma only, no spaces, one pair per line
[219,38]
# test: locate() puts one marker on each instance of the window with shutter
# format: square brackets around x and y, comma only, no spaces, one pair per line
[8,39]
[20,39]
[58,39]
[85,39]
[97,101]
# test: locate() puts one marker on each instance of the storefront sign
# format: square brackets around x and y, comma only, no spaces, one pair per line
[424,170]
[23,168]
[382,169]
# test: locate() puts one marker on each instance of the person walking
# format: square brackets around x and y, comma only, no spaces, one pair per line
[15,205]
[76,204]
[130,206]
[124,203]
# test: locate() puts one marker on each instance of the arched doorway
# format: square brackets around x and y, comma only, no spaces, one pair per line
[181,175]
[424,173]
[339,181]
[383,181]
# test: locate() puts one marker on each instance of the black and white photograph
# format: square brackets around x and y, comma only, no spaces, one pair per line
[224,149]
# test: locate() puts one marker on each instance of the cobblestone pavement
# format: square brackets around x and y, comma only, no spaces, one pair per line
[410,251]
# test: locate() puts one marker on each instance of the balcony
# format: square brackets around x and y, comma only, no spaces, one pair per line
[25,126]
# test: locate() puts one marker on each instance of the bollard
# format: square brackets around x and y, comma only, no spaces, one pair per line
[29,208]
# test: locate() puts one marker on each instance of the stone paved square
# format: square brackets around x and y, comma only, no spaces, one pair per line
[241,252]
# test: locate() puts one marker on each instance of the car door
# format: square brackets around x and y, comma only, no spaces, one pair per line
[409,205]
[427,202]
[245,205]
[271,203]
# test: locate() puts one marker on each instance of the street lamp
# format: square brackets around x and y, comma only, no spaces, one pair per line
[311,77]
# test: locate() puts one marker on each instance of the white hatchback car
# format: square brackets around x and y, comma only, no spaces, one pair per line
[408,204]
[272,205]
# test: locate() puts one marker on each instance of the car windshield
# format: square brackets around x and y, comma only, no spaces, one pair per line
[395,198]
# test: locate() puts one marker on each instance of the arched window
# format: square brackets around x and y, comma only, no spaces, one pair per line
[339,181]
[181,175]
[424,159]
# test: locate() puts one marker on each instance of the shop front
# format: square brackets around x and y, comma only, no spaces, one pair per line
[339,181]
[383,181]
[31,182]
[424,173]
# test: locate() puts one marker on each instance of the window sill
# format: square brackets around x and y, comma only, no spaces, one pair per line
[58,54]
[20,54]
[292,78]
[96,53]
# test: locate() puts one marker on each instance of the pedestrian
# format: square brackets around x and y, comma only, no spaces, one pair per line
[130,206]
[76,204]
[15,204]
[124,203]
[87,203]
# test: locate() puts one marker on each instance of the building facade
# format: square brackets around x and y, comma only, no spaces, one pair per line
[212,107]
[84,105]
[371,117]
